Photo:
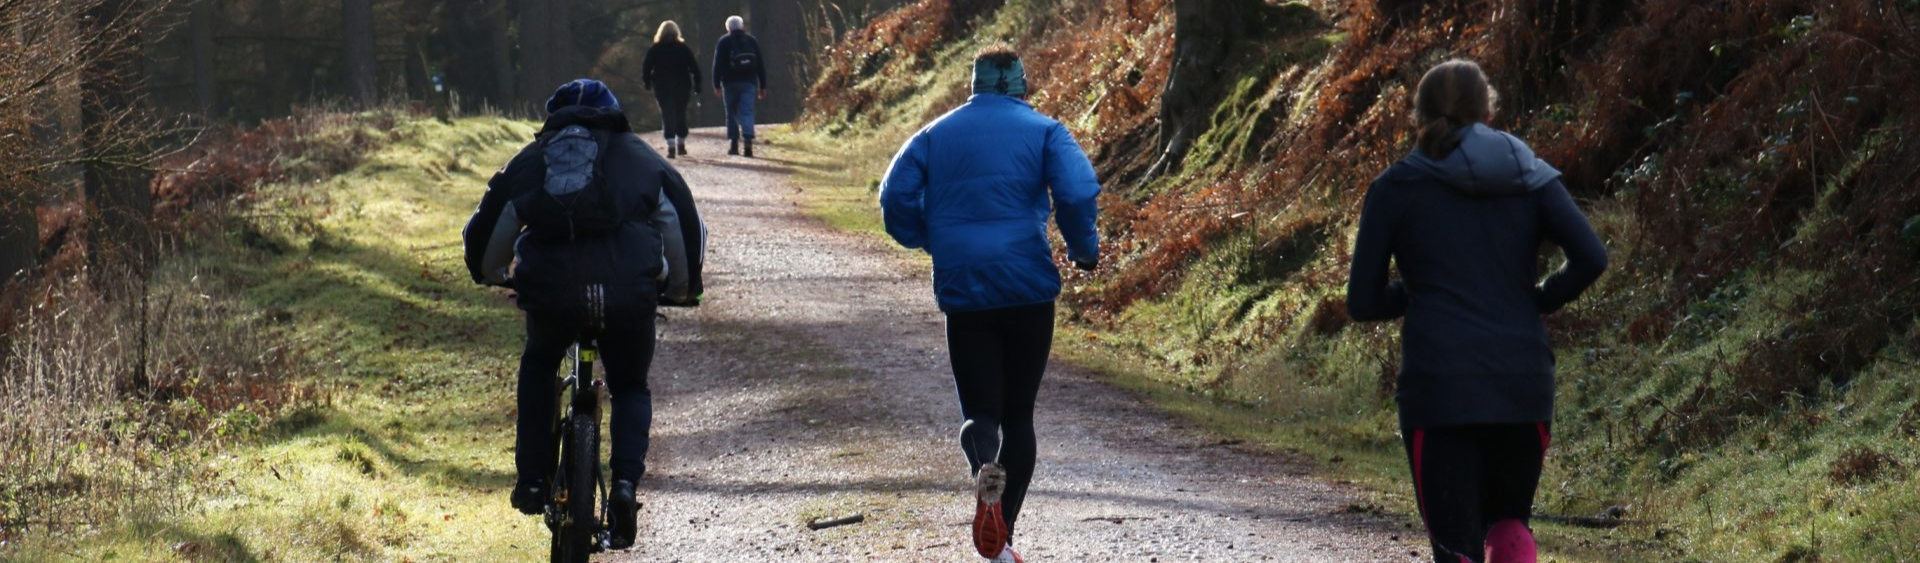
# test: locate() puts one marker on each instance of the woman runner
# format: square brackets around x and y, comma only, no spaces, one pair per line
[1462,218]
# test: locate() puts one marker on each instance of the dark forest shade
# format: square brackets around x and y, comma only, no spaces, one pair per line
[356,18]
[117,196]
[200,25]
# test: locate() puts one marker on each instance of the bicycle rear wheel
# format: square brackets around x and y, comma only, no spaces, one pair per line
[578,536]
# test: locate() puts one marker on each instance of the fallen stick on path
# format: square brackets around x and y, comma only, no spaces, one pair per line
[836,522]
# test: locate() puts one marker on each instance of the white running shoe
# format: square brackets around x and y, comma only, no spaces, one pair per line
[989,526]
[1008,556]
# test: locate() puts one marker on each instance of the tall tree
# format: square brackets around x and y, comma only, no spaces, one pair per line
[777,24]
[536,72]
[205,84]
[356,17]
[416,18]
[284,77]
[547,54]
[115,180]
[500,23]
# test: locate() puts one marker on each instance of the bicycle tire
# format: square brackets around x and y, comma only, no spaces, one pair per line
[578,535]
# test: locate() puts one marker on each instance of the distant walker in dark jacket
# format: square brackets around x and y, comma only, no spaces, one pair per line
[1463,218]
[594,230]
[975,189]
[672,73]
[739,78]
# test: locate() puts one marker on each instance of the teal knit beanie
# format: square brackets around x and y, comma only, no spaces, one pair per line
[991,78]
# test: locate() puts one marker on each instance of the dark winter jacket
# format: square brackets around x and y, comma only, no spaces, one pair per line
[655,253]
[1465,233]
[670,68]
[723,71]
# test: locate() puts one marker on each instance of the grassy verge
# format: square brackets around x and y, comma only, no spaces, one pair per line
[409,458]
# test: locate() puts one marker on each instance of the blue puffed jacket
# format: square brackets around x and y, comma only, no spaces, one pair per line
[974,189]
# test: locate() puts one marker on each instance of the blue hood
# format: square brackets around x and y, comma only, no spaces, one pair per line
[1487,163]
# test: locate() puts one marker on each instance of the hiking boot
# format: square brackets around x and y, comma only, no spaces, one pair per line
[683,147]
[749,147]
[671,150]
[733,147]
[625,508]
[989,524]
[529,497]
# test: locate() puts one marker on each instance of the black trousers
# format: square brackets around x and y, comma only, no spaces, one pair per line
[998,357]
[626,353]
[673,110]
[1467,478]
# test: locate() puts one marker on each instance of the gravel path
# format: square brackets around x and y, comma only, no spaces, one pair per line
[814,385]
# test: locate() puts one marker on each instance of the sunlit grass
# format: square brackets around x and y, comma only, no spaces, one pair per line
[412,458]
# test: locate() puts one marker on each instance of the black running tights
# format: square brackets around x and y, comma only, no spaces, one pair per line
[1468,478]
[998,357]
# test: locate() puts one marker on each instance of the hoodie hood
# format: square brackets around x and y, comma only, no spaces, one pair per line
[1487,163]
[597,119]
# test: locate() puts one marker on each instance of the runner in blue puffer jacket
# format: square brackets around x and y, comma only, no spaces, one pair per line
[974,189]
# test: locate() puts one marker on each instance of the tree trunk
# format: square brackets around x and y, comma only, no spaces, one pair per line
[200,27]
[117,194]
[536,70]
[19,233]
[501,23]
[284,80]
[356,17]
[1205,33]
[777,24]
[418,22]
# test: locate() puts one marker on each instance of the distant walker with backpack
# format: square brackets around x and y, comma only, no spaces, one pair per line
[739,78]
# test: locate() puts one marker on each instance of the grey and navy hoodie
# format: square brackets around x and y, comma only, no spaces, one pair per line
[1465,232]
[654,257]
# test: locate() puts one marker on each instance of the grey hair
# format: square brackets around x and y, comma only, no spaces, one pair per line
[736,23]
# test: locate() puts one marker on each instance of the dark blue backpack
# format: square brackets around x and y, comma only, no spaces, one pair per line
[575,202]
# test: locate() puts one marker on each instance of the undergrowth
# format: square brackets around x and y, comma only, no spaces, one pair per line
[1741,386]
[314,384]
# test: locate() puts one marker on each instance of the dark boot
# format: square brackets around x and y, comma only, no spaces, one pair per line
[749,147]
[671,151]
[683,147]
[733,146]
[625,511]
[530,497]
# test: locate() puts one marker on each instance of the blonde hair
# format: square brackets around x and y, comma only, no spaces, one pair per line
[669,31]
[1452,95]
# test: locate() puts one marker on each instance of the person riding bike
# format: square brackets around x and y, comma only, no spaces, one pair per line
[974,188]
[594,230]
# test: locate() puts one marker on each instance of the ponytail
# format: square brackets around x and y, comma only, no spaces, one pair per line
[1451,96]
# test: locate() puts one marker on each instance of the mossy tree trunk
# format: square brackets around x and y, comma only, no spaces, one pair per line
[1208,34]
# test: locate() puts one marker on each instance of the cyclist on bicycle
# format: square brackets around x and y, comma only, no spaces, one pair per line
[594,230]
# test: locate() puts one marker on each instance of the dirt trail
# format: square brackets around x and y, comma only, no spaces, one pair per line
[814,384]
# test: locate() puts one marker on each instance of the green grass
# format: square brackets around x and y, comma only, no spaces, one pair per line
[411,457]
[1232,347]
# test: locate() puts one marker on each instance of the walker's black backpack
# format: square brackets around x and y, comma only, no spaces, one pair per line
[574,203]
[746,57]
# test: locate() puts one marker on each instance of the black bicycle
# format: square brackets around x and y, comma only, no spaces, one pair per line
[577,510]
